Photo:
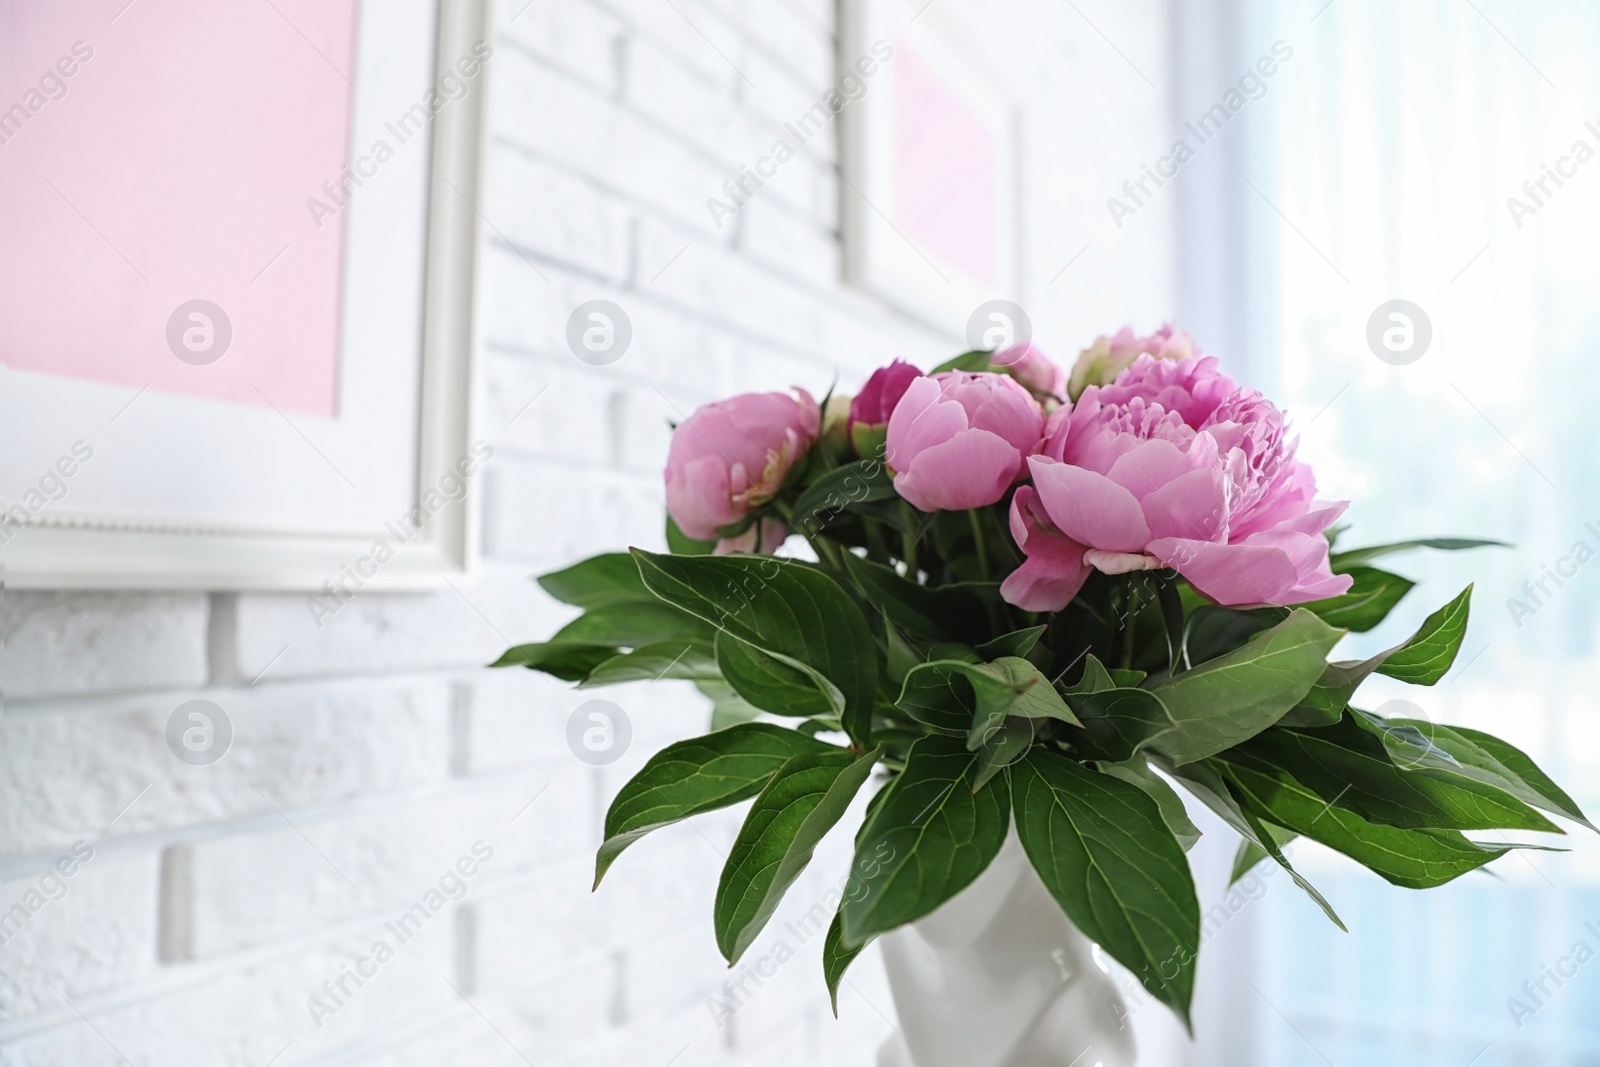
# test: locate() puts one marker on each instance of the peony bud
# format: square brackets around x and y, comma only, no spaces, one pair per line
[957,441]
[733,456]
[1101,362]
[870,411]
[836,426]
[1035,370]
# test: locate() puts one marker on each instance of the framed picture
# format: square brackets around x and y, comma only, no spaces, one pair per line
[928,154]
[240,245]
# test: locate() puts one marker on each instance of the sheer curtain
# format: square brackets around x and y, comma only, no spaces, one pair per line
[1444,153]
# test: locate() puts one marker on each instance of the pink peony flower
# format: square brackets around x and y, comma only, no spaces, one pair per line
[870,410]
[1054,570]
[1190,388]
[733,455]
[1102,362]
[958,440]
[1033,369]
[1173,465]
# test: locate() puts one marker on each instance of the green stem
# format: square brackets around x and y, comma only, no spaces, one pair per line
[908,542]
[827,552]
[1130,621]
[1172,617]
[876,550]
[976,519]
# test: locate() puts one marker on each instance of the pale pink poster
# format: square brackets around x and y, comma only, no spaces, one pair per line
[944,168]
[156,159]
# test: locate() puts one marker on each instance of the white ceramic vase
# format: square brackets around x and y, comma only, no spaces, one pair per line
[999,977]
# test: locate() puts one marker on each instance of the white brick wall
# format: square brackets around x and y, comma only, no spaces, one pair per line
[369,755]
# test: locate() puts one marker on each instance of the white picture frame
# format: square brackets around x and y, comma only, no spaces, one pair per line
[157,508]
[882,254]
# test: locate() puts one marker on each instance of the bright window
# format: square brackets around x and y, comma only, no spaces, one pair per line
[1446,153]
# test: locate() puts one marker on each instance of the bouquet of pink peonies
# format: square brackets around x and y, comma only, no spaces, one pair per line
[1038,599]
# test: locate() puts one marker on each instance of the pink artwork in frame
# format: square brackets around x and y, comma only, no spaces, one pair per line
[173,164]
[944,168]
[929,214]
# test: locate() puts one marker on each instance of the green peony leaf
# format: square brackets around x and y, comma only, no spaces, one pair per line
[1250,853]
[1106,854]
[1005,747]
[1311,713]
[728,708]
[837,957]
[599,581]
[1212,631]
[975,698]
[941,699]
[796,809]
[696,776]
[691,660]
[1095,678]
[783,608]
[1010,686]
[952,613]
[569,662]
[927,840]
[1348,765]
[954,650]
[1137,772]
[630,625]
[1342,561]
[900,655]
[1117,723]
[1017,643]
[779,686]
[1423,658]
[838,491]
[620,613]
[1430,652]
[1234,697]
[1368,601]
[1211,789]
[1414,859]
[1245,860]
[1456,750]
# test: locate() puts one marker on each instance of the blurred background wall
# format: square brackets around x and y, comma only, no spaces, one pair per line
[372,756]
